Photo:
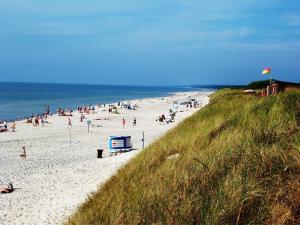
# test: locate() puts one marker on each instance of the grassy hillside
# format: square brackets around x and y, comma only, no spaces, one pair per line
[237,161]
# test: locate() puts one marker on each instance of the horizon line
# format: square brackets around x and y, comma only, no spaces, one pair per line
[126,85]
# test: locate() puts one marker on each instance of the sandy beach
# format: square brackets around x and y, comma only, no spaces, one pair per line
[58,175]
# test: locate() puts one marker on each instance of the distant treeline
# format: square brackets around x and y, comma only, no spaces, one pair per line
[260,84]
[218,86]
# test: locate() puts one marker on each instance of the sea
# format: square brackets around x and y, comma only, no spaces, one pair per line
[20,100]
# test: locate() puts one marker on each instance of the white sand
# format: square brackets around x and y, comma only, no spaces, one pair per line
[58,175]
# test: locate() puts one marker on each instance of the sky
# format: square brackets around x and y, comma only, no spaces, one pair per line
[157,42]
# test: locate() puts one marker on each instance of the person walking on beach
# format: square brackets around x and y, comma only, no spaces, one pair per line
[48,110]
[134,121]
[69,122]
[123,122]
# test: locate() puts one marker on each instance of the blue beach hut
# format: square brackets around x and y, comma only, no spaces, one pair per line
[118,144]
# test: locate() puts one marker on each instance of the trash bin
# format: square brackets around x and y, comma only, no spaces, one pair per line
[99,153]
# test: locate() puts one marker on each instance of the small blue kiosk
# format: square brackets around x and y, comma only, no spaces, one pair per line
[118,144]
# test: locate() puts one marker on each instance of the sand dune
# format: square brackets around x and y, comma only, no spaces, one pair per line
[58,174]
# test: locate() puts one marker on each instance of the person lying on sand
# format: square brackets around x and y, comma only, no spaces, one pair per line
[64,114]
[161,118]
[7,189]
[2,129]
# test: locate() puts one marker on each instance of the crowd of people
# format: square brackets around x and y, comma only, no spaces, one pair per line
[62,112]
[86,109]
[41,119]
[37,120]
[167,119]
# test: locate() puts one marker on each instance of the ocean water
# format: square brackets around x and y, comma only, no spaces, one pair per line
[23,99]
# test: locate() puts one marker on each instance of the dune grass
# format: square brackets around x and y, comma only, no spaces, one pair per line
[236,161]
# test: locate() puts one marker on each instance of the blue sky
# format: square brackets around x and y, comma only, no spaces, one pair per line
[178,42]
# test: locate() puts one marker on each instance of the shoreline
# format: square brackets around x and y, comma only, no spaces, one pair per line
[59,175]
[55,113]
[14,108]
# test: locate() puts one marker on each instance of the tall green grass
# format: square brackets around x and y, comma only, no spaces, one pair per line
[238,162]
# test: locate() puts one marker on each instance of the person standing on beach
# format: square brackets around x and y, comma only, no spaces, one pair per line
[13,127]
[36,121]
[42,121]
[134,121]
[23,155]
[123,122]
